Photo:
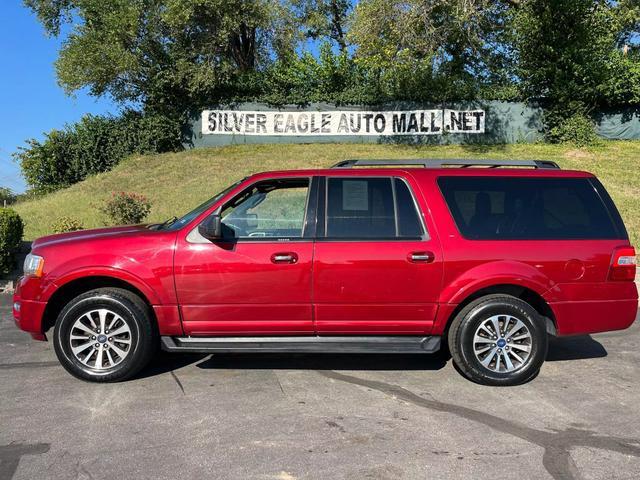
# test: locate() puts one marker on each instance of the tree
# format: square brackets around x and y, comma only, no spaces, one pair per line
[175,56]
[324,19]
[168,55]
[438,50]
[6,196]
[574,56]
[331,76]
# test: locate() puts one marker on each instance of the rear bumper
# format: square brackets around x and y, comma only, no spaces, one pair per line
[581,318]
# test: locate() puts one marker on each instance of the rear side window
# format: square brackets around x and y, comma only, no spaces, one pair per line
[360,207]
[529,208]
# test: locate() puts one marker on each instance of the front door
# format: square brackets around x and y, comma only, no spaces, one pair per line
[257,279]
[376,268]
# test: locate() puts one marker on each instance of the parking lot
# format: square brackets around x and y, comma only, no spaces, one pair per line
[321,416]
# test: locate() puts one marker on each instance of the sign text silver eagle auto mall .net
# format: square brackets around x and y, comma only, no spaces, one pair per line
[404,122]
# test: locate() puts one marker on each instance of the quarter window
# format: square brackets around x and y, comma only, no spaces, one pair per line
[359,207]
[528,208]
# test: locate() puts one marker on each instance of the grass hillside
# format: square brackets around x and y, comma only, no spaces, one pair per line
[177,182]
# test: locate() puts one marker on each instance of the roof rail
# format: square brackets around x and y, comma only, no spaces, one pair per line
[441,163]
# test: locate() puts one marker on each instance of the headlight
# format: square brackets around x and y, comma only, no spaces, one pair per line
[33,265]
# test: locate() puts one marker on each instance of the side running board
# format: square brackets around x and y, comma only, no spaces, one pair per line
[308,344]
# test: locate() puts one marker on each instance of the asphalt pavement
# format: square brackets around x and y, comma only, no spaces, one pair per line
[321,416]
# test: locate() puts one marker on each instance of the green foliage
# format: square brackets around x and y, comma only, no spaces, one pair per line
[174,57]
[580,66]
[11,228]
[578,130]
[6,195]
[169,55]
[126,208]
[563,64]
[66,224]
[329,77]
[323,19]
[432,51]
[621,85]
[93,145]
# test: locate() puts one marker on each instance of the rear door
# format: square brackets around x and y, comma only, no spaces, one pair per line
[377,270]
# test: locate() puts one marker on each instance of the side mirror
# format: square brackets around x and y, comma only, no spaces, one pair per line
[211,228]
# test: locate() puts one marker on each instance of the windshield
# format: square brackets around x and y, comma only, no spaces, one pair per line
[175,224]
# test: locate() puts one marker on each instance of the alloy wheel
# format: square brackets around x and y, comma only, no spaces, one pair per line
[100,339]
[502,343]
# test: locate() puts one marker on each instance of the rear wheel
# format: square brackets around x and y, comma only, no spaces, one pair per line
[498,340]
[104,335]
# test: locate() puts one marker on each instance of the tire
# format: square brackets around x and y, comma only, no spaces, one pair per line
[472,332]
[105,356]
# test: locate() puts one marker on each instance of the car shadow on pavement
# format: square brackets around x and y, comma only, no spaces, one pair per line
[166,362]
[569,348]
[323,361]
[574,348]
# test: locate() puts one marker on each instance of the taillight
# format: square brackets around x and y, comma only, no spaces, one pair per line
[623,264]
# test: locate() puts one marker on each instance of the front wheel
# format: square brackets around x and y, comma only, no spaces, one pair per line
[498,340]
[104,335]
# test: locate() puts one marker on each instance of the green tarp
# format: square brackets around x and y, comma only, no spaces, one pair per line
[504,122]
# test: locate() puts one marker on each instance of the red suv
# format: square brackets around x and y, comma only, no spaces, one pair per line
[393,259]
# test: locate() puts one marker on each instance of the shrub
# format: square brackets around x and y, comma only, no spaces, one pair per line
[577,129]
[94,144]
[46,166]
[66,224]
[126,208]
[11,228]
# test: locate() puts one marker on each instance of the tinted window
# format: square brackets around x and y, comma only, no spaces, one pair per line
[409,224]
[527,208]
[267,209]
[366,208]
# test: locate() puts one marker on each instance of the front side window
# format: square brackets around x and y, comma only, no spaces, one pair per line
[513,208]
[361,208]
[269,209]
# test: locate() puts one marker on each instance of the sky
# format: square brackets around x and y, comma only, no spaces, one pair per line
[31,102]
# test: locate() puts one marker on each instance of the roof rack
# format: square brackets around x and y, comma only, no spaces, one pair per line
[440,163]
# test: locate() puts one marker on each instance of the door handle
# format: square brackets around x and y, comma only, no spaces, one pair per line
[421,257]
[284,257]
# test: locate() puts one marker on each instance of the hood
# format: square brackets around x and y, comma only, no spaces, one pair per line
[93,234]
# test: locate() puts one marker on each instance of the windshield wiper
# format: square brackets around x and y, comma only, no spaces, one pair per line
[167,223]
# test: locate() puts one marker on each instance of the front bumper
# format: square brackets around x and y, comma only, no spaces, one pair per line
[27,313]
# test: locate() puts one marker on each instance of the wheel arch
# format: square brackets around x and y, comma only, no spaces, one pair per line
[522,292]
[66,292]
